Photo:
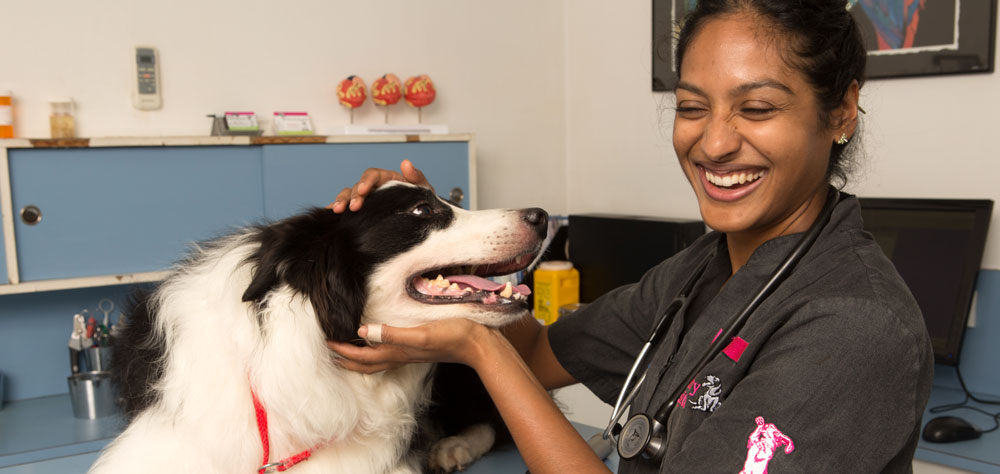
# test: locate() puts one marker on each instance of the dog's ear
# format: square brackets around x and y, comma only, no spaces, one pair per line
[340,301]
[315,257]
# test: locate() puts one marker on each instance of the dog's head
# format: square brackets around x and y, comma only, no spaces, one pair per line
[382,264]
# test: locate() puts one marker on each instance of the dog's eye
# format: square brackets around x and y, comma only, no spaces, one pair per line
[421,210]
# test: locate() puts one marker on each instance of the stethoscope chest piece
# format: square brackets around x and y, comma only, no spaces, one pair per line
[639,435]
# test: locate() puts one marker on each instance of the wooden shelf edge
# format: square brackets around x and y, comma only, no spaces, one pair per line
[82,282]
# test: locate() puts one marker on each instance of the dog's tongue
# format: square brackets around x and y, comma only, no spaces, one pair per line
[484,284]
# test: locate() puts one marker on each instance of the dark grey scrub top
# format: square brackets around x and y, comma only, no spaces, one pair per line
[830,375]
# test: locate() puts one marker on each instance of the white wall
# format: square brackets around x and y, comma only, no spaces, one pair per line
[498,68]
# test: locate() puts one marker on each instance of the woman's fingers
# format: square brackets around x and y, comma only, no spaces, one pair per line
[352,198]
[367,359]
[413,175]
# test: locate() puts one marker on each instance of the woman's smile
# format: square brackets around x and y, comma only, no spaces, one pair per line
[730,185]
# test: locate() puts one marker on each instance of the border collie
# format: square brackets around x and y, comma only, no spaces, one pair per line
[224,367]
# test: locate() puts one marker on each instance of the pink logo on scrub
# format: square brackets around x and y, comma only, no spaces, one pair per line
[763,443]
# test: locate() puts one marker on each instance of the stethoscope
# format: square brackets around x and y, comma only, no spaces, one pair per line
[644,434]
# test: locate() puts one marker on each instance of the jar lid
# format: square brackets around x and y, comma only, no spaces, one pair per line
[556,265]
[60,100]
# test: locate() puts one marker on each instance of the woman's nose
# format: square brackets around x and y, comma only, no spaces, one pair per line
[720,139]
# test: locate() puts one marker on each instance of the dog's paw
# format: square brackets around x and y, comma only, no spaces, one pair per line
[451,454]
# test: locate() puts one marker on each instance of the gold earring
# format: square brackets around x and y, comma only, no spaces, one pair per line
[843,139]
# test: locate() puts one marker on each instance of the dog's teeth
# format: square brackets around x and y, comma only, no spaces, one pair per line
[453,287]
[508,290]
[441,282]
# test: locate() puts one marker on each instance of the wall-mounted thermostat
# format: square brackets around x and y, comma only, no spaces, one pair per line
[146,79]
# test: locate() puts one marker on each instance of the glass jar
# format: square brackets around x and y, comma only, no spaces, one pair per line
[61,121]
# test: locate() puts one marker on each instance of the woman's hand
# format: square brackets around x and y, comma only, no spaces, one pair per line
[449,340]
[372,178]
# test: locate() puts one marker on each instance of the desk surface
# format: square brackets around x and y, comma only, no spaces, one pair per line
[41,436]
[44,428]
[508,461]
[978,455]
[43,431]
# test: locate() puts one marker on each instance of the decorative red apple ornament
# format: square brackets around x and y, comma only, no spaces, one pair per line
[419,93]
[351,93]
[387,90]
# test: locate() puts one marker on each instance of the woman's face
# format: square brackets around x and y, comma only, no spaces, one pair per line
[747,131]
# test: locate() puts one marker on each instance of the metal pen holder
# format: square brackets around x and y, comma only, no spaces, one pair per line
[92,395]
[97,359]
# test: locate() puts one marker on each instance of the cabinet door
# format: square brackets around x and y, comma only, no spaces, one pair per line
[299,176]
[108,211]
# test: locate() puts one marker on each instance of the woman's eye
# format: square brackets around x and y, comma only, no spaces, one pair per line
[421,210]
[758,111]
[690,112]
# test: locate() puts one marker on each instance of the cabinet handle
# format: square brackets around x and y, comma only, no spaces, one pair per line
[456,196]
[31,214]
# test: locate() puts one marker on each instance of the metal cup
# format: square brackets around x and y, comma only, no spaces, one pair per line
[98,358]
[92,395]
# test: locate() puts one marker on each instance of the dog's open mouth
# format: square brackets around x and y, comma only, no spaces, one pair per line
[470,284]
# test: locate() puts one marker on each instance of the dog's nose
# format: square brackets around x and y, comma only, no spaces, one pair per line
[537,219]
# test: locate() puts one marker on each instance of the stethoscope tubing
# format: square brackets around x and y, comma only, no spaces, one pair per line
[777,277]
[658,422]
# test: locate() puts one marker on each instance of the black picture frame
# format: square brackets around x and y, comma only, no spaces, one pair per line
[952,37]
[664,26]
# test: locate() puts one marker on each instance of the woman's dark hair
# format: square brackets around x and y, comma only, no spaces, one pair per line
[826,42]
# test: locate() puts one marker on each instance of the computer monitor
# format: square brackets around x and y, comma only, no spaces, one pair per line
[937,247]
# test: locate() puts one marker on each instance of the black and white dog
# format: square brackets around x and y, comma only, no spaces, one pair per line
[224,367]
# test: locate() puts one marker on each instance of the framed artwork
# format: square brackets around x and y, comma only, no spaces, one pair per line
[904,38]
[926,37]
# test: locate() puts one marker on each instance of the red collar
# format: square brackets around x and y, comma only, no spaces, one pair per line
[283,464]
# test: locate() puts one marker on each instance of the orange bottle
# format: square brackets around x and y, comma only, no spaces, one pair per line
[6,115]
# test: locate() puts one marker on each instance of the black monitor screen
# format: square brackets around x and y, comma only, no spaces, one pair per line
[937,247]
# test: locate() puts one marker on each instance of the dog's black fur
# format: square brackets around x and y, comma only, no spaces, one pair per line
[329,258]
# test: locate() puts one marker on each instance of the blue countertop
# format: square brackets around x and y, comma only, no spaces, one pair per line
[41,436]
[44,429]
[978,455]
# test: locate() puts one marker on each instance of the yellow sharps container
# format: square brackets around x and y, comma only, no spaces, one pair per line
[557,284]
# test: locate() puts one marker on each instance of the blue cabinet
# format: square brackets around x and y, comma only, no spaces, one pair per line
[119,214]
[126,210]
[297,176]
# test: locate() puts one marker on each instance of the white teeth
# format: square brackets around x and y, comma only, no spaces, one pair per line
[731,179]
[507,290]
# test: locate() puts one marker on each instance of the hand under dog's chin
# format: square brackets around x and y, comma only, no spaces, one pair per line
[489,318]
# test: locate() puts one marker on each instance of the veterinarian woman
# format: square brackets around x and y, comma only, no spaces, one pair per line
[831,371]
